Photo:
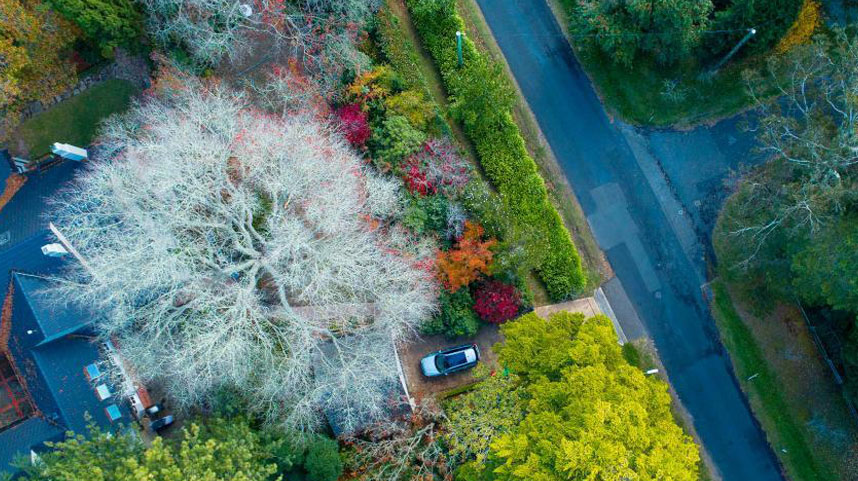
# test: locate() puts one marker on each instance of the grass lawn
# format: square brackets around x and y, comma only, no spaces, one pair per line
[790,391]
[641,94]
[73,121]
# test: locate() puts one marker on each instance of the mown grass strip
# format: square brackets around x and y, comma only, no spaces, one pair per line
[762,386]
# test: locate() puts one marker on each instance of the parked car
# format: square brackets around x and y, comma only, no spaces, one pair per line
[450,360]
[161,423]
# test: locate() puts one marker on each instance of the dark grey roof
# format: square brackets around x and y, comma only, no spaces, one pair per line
[17,440]
[53,317]
[51,344]
[22,217]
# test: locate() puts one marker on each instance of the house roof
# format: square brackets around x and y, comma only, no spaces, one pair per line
[22,217]
[30,432]
[51,344]
[61,364]
[53,317]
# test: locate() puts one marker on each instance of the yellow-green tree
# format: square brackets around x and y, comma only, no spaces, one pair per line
[219,450]
[589,414]
[33,64]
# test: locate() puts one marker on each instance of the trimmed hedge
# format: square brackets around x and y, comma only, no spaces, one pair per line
[482,97]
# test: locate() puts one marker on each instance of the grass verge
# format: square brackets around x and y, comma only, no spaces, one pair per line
[778,417]
[76,120]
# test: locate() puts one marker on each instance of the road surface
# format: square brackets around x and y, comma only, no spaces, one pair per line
[651,198]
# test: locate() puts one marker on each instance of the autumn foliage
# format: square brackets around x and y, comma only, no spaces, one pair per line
[496,302]
[808,20]
[465,262]
[354,124]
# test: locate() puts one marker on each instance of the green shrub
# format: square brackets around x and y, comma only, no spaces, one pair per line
[482,99]
[398,50]
[425,214]
[106,23]
[394,139]
[457,316]
[323,461]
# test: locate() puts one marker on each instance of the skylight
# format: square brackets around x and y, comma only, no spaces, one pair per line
[103,392]
[113,412]
[92,371]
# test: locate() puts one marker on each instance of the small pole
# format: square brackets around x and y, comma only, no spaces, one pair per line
[751,33]
[459,48]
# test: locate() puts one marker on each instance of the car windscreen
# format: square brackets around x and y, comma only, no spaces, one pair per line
[455,359]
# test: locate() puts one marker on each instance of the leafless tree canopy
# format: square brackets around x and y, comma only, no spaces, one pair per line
[213,29]
[229,248]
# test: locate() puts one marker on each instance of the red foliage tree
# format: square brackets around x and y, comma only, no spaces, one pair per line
[355,124]
[496,302]
[464,263]
[436,167]
[416,180]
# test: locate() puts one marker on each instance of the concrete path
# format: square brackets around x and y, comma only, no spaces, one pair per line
[651,198]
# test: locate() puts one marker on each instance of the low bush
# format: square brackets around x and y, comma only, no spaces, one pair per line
[394,140]
[456,317]
[482,99]
[323,461]
[496,302]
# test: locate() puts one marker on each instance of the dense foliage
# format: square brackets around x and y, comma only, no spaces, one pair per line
[771,18]
[105,23]
[668,30]
[34,43]
[217,450]
[575,410]
[456,316]
[464,263]
[789,230]
[496,302]
[482,99]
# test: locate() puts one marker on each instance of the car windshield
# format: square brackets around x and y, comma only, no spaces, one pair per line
[455,359]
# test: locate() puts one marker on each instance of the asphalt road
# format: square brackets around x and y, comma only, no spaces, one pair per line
[651,198]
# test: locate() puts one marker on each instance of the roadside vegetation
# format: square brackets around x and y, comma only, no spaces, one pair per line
[805,455]
[483,100]
[653,63]
[784,237]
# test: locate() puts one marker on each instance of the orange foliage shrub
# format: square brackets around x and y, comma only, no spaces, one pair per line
[471,257]
[802,29]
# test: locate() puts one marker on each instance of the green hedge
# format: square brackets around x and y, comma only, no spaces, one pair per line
[482,98]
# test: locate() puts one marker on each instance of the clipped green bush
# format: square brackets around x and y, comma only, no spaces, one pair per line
[323,461]
[482,98]
[456,318]
[395,139]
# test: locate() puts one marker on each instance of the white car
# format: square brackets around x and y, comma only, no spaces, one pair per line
[450,360]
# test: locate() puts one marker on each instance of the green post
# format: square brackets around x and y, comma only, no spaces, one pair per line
[459,48]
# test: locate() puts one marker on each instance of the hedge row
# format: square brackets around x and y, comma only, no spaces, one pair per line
[482,98]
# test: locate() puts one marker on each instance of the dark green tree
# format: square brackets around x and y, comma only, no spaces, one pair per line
[668,30]
[323,461]
[107,24]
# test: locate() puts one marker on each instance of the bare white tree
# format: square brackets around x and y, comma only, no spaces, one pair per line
[213,29]
[809,134]
[228,248]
